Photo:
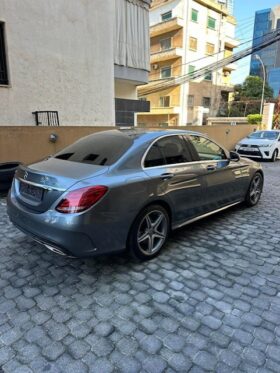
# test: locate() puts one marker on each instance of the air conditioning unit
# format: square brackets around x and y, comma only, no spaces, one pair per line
[155,66]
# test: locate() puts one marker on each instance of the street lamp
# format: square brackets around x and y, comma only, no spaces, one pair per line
[257,57]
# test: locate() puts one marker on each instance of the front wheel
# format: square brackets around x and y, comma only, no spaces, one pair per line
[274,155]
[149,232]
[255,190]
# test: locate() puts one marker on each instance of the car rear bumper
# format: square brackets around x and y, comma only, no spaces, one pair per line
[64,234]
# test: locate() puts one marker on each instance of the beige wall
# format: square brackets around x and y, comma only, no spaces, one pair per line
[30,144]
[176,40]
[176,68]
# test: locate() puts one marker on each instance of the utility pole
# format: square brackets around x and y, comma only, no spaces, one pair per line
[257,57]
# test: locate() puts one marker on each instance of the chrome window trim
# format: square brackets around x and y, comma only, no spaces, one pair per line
[46,187]
[184,163]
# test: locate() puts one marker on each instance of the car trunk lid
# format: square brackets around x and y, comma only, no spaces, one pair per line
[38,186]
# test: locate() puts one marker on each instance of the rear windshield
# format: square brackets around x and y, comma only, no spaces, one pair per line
[102,149]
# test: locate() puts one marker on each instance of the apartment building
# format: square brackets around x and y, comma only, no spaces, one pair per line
[266,21]
[80,59]
[187,35]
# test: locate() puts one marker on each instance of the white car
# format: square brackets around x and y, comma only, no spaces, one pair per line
[260,144]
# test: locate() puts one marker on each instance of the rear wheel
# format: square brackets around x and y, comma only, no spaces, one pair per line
[149,232]
[255,190]
[274,155]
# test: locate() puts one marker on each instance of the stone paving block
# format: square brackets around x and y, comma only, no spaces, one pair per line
[78,349]
[210,302]
[53,350]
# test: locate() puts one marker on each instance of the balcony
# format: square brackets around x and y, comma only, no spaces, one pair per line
[166,26]
[230,67]
[231,42]
[164,110]
[165,55]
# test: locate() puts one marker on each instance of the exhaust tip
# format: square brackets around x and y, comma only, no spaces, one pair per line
[55,250]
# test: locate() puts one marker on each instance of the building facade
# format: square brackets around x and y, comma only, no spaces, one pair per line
[266,21]
[229,4]
[83,59]
[187,35]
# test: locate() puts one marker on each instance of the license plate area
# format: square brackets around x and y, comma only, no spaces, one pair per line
[249,149]
[31,192]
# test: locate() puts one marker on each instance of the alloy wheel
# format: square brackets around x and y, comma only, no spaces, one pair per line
[152,232]
[256,189]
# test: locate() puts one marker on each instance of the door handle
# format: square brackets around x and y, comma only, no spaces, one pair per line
[211,167]
[167,176]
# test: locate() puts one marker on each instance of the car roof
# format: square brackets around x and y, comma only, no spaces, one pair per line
[147,134]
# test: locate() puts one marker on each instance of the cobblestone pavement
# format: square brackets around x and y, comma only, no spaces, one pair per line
[210,302]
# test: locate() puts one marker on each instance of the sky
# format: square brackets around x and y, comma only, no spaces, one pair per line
[245,14]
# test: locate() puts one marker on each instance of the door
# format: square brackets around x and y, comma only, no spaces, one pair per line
[175,178]
[225,180]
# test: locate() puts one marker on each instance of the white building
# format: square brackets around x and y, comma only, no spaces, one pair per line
[74,57]
[186,36]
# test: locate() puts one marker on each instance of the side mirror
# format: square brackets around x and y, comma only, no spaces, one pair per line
[233,156]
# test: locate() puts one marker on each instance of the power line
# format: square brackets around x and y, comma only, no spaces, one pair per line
[214,66]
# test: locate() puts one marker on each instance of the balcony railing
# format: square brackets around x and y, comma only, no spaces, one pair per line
[166,26]
[165,110]
[165,55]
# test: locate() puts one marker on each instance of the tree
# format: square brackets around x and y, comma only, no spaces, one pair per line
[247,97]
[252,88]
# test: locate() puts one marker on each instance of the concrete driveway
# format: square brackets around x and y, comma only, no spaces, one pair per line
[210,302]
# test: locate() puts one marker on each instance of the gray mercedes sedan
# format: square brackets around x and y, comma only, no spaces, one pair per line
[126,189]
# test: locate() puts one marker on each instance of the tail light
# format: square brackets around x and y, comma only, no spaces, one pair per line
[81,199]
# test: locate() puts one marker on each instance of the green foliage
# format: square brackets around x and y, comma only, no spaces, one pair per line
[252,88]
[254,118]
[247,98]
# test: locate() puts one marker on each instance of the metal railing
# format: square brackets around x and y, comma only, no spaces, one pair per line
[46,118]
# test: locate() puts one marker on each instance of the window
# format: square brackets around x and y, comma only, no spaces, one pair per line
[194,15]
[169,150]
[206,101]
[166,16]
[164,101]
[165,72]
[165,44]
[191,69]
[211,23]
[190,100]
[210,48]
[103,149]
[3,60]
[207,149]
[208,76]
[154,157]
[193,43]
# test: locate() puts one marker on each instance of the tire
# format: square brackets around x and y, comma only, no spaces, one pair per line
[7,172]
[255,190]
[274,155]
[149,233]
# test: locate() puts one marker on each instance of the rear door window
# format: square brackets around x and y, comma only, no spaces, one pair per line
[167,151]
[102,149]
